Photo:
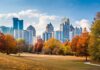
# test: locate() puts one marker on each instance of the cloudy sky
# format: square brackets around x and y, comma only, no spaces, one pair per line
[41,12]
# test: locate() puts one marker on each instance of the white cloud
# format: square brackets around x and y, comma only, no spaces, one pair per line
[38,19]
[31,17]
[83,23]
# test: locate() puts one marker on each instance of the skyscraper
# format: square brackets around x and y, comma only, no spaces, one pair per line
[6,30]
[32,34]
[49,27]
[65,28]
[46,36]
[31,28]
[48,33]
[58,35]
[77,31]
[17,24]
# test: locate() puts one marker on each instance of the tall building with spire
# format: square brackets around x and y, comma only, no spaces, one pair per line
[65,28]
[49,27]
[48,33]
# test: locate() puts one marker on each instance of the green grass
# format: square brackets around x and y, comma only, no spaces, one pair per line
[43,62]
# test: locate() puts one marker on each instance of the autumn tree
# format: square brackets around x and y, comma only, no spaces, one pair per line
[82,44]
[79,44]
[74,44]
[94,43]
[2,41]
[67,42]
[67,48]
[10,44]
[53,46]
[21,45]
[38,45]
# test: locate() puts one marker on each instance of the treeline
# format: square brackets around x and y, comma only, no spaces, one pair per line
[87,44]
[78,46]
[9,45]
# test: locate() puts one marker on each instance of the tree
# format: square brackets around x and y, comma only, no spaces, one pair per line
[67,48]
[10,44]
[38,45]
[82,44]
[74,44]
[79,44]
[2,41]
[53,46]
[21,45]
[94,43]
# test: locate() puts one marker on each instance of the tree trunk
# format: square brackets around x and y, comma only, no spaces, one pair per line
[86,58]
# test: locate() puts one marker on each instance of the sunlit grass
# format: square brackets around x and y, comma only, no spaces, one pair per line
[43,62]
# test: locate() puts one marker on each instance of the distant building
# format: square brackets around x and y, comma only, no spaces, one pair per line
[18,34]
[32,34]
[28,37]
[77,31]
[6,30]
[71,35]
[65,28]
[17,24]
[31,28]
[48,33]
[49,27]
[58,35]
[25,35]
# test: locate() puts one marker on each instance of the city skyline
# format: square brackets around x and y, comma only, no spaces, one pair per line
[37,13]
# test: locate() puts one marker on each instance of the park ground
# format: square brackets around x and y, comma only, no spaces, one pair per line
[28,61]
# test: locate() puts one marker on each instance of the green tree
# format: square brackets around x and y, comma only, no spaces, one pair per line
[94,44]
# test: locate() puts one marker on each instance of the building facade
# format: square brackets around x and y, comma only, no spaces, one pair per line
[48,33]
[17,24]
[58,35]
[6,30]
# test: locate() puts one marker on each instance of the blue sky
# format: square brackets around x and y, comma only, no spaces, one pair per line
[76,10]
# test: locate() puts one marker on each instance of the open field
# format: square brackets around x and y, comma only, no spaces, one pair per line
[43,62]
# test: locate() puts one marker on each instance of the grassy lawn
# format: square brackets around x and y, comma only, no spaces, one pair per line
[43,62]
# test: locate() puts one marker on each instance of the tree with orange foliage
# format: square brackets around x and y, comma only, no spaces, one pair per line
[10,44]
[38,45]
[82,44]
[74,43]
[2,41]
